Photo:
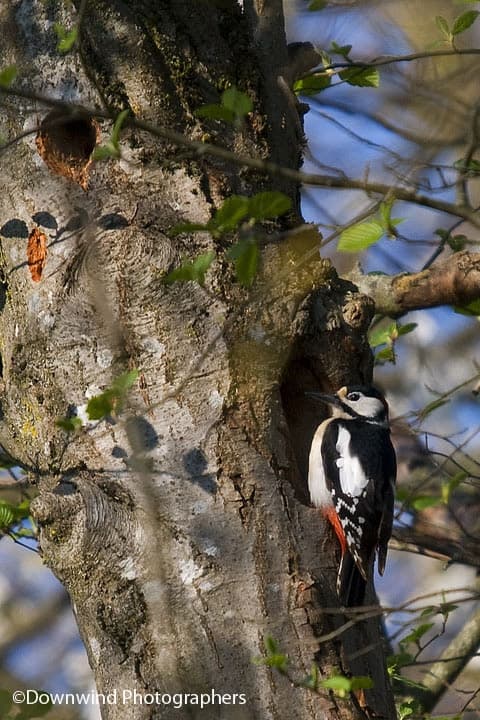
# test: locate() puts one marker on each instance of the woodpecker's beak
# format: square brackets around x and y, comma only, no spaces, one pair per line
[328,399]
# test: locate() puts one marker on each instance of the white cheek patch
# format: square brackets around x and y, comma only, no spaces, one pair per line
[353,480]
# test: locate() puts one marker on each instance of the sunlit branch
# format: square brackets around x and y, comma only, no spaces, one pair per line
[265,166]
[454,281]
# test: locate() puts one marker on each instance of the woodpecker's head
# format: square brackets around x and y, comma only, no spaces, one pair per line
[357,402]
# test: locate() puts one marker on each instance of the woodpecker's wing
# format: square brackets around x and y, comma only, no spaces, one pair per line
[386,522]
[359,464]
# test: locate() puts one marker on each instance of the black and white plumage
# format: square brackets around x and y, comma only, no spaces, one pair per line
[351,478]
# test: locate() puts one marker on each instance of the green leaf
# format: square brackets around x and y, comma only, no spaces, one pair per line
[274,658]
[312,84]
[103,405]
[8,75]
[447,608]
[406,329]
[442,25]
[317,5]
[472,166]
[385,355]
[193,270]
[230,214]
[111,149]
[312,679]
[361,77]
[66,38]
[406,709]
[100,406]
[417,634]
[360,236]
[271,645]
[117,126]
[361,682]
[12,514]
[69,424]
[106,151]
[464,21]
[7,516]
[385,212]
[124,382]
[472,309]
[429,611]
[382,335]
[457,242]
[397,661]
[215,112]
[244,255]
[239,103]
[422,502]
[266,205]
[337,682]
[343,50]
[234,105]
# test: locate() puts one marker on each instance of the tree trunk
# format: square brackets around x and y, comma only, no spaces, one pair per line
[180,528]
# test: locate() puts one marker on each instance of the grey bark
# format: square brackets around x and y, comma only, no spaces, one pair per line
[180,528]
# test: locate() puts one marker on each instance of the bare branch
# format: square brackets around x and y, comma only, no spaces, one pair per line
[440,548]
[269,168]
[453,660]
[454,281]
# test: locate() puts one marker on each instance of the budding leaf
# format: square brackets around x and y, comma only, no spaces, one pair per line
[312,84]
[442,25]
[472,309]
[194,270]
[244,255]
[234,106]
[69,424]
[66,38]
[360,236]
[215,112]
[464,21]
[361,77]
[103,405]
[237,102]
[230,214]
[266,205]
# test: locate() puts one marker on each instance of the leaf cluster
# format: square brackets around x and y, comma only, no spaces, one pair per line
[362,235]
[233,107]
[237,213]
[388,336]
[109,402]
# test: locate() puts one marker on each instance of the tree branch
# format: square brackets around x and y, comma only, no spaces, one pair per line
[454,281]
[450,664]
[273,169]
[441,548]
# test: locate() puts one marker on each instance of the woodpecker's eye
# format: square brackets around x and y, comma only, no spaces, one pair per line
[353,396]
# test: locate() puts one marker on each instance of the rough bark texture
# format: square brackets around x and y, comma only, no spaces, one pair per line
[453,281]
[181,528]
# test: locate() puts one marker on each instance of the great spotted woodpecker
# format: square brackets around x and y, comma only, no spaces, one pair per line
[351,478]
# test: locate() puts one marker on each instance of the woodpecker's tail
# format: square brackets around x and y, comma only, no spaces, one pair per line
[351,584]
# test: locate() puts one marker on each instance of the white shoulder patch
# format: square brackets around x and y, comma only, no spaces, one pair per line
[351,476]
[319,493]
